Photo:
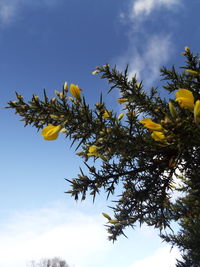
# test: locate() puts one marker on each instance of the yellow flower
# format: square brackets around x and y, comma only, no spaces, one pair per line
[51,132]
[158,136]
[197,111]
[193,72]
[75,91]
[122,100]
[148,123]
[185,99]
[92,151]
[105,114]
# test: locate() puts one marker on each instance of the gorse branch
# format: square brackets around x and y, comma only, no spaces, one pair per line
[142,151]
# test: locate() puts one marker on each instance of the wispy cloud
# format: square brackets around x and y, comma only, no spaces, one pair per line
[150,46]
[54,231]
[146,60]
[141,8]
[75,236]
[8,11]
[162,257]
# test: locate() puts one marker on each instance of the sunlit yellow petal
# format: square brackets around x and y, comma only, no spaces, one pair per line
[51,132]
[105,114]
[46,129]
[51,137]
[75,91]
[149,124]
[146,120]
[185,99]
[193,72]
[92,151]
[122,100]
[184,93]
[158,136]
[197,110]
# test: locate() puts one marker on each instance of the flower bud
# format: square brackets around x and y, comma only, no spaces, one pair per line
[100,140]
[20,97]
[65,87]
[53,99]
[71,98]
[197,111]
[187,49]
[192,72]
[36,98]
[14,103]
[122,100]
[108,130]
[63,130]
[172,110]
[121,115]
[95,72]
[57,93]
[106,216]
[54,117]
[62,96]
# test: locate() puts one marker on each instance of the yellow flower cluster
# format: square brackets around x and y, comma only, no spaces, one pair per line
[157,134]
[186,100]
[51,132]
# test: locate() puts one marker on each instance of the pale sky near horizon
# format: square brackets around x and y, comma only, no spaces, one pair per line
[44,43]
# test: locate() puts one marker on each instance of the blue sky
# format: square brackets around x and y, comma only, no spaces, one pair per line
[43,44]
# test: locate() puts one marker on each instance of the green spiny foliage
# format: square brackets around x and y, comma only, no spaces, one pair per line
[145,167]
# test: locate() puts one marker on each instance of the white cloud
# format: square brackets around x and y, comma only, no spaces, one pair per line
[7,11]
[51,232]
[149,47]
[145,7]
[146,60]
[74,236]
[162,257]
